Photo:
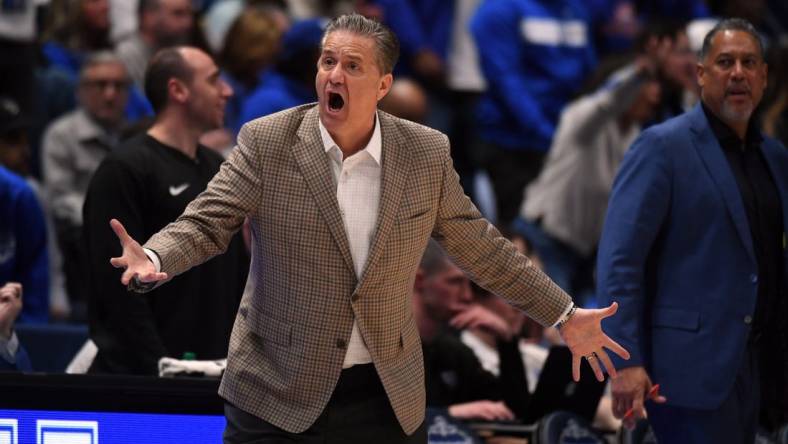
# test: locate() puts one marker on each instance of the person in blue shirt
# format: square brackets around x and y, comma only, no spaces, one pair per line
[23,245]
[535,55]
[291,82]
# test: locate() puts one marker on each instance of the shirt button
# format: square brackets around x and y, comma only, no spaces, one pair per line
[341,343]
[748,319]
[754,278]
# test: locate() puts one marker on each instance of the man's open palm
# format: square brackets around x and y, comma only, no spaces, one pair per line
[133,260]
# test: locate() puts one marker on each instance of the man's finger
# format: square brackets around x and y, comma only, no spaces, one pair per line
[594,363]
[153,277]
[610,310]
[616,348]
[576,367]
[117,227]
[119,262]
[611,369]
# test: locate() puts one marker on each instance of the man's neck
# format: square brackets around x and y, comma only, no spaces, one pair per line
[352,140]
[172,133]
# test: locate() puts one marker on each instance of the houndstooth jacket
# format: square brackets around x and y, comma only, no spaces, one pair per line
[290,334]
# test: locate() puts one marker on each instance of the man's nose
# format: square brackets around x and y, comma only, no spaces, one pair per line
[336,75]
[738,69]
[227,90]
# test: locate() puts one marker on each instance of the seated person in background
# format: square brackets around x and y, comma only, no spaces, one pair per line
[454,377]
[73,147]
[147,182]
[23,245]
[12,355]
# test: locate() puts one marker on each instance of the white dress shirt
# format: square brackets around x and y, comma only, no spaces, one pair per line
[358,194]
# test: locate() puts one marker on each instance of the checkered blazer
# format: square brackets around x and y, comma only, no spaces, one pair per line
[290,335]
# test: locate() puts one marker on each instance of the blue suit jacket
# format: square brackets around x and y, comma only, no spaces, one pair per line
[677,255]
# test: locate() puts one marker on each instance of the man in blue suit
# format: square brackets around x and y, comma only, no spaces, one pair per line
[693,250]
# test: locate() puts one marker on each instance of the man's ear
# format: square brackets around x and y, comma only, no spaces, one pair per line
[700,72]
[177,90]
[385,85]
[418,283]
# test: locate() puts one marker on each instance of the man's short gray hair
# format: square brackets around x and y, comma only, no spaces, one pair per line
[386,42]
[730,24]
[99,58]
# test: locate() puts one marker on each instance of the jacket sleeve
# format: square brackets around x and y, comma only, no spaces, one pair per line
[32,257]
[124,319]
[638,207]
[477,247]
[209,222]
[495,29]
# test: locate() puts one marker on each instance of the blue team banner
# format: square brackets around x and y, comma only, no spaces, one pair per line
[61,427]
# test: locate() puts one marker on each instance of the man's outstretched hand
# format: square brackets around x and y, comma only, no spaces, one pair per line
[133,260]
[583,334]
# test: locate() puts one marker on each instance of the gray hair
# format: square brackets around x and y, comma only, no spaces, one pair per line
[386,42]
[99,58]
[730,24]
[434,260]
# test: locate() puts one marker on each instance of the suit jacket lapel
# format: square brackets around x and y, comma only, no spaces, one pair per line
[710,152]
[396,164]
[310,155]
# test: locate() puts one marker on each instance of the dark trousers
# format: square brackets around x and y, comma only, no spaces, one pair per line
[358,412]
[734,422]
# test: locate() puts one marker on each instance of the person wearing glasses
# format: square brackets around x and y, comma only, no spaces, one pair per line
[73,147]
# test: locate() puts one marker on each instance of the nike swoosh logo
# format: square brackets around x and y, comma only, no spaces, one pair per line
[174,191]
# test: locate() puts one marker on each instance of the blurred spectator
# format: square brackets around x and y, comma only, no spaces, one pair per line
[73,147]
[309,9]
[534,55]
[676,68]
[146,183]
[18,33]
[223,13]
[439,53]
[162,23]
[775,118]
[406,100]
[292,81]
[564,208]
[250,47]
[454,377]
[23,245]
[14,155]
[12,355]
[78,28]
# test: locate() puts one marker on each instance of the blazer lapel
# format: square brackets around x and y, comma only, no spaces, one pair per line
[710,151]
[396,164]
[310,155]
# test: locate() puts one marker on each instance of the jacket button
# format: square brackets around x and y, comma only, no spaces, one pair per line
[355,298]
[754,278]
[341,343]
[748,319]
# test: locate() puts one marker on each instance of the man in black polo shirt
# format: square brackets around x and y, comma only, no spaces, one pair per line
[147,183]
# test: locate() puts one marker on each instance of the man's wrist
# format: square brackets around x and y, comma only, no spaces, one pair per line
[566,316]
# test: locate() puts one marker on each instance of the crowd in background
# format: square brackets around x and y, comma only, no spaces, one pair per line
[540,100]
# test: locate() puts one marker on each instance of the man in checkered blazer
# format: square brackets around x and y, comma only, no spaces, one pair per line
[342,200]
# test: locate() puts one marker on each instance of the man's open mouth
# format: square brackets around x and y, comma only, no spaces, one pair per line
[335,101]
